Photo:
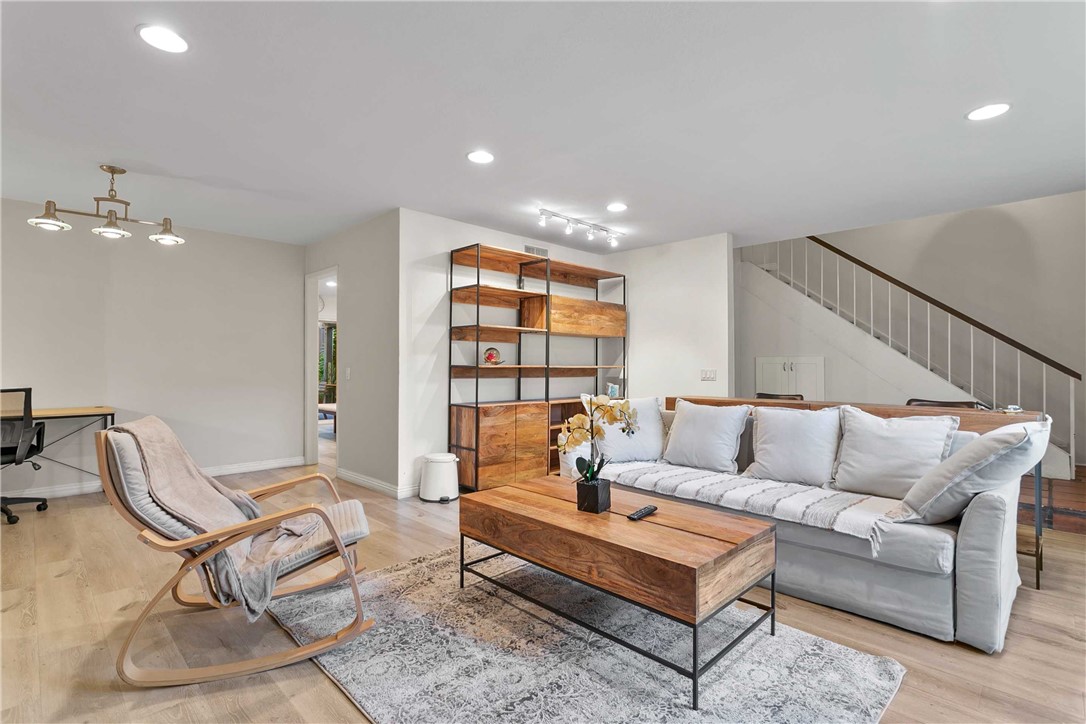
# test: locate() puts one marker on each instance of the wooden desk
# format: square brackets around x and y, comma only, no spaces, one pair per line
[106,414]
[60,413]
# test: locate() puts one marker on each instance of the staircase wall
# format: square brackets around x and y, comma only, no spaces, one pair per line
[1018,267]
[772,320]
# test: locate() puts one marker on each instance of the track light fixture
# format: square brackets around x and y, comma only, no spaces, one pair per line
[572,223]
[112,229]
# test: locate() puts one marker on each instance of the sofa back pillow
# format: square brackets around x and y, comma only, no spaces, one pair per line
[994,459]
[645,445]
[887,456]
[960,439]
[706,436]
[795,446]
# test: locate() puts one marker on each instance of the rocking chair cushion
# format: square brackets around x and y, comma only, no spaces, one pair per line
[126,467]
[350,522]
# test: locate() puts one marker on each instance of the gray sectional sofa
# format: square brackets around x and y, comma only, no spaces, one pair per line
[953,581]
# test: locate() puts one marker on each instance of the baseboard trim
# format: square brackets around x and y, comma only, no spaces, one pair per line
[380,486]
[254,466]
[65,490]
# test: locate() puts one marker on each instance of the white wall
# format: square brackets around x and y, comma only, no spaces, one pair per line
[1016,267]
[773,320]
[367,257]
[206,336]
[680,310]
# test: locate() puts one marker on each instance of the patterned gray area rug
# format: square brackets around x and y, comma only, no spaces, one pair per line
[438,654]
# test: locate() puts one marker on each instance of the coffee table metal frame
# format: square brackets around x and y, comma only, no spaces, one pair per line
[693,673]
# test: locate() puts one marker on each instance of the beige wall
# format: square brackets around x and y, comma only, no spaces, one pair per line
[206,336]
[367,297]
[1018,268]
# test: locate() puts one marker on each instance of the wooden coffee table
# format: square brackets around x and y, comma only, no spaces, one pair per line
[684,562]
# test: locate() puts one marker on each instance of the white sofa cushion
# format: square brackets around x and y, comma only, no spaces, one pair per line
[647,443]
[995,459]
[795,446]
[886,456]
[706,436]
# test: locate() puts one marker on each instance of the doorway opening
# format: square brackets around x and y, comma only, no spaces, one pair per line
[322,371]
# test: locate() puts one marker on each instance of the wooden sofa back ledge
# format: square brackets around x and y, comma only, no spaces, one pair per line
[980,421]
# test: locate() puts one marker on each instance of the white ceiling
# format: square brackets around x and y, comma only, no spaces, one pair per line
[290,121]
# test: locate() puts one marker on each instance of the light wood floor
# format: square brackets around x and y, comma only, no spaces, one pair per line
[73,579]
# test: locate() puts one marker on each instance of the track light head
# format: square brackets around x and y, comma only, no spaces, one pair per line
[542,219]
[612,240]
[591,233]
[569,227]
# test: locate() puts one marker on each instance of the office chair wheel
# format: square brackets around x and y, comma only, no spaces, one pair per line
[42,506]
[13,519]
[35,465]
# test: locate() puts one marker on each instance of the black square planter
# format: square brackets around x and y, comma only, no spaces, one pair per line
[594,498]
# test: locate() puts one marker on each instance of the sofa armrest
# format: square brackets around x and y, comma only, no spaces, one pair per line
[986,568]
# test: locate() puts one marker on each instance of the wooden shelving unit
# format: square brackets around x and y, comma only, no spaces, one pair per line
[499,442]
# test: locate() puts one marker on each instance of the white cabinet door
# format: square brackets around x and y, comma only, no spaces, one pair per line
[771,375]
[791,375]
[808,377]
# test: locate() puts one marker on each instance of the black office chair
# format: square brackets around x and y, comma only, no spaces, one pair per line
[960,404]
[772,396]
[22,439]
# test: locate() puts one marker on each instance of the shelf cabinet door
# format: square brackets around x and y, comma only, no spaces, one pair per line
[497,449]
[533,440]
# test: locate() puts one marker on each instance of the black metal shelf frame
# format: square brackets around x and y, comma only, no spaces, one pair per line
[520,337]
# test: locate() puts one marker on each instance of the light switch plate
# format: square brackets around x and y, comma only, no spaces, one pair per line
[708,375]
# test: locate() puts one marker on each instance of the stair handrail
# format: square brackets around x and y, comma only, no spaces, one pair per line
[1044,359]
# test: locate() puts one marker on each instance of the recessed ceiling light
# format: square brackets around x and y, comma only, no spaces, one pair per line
[616,206]
[329,284]
[162,38]
[989,111]
[480,156]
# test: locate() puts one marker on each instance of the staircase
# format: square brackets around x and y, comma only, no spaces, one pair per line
[986,365]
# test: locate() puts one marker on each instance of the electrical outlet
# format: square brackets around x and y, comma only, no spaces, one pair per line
[348,374]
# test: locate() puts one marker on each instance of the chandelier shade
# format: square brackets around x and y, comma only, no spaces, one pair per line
[166,237]
[48,220]
[111,229]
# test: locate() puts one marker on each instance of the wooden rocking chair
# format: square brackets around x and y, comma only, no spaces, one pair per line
[343,525]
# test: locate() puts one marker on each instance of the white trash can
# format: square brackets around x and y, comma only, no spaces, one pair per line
[439,478]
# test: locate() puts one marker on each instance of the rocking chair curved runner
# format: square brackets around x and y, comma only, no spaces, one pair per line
[341,526]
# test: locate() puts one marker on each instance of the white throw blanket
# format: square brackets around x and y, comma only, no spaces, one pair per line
[837,510]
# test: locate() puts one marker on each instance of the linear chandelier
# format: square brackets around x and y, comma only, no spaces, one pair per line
[572,223]
[112,229]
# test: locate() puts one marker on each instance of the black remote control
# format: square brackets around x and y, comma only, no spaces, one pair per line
[643,513]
